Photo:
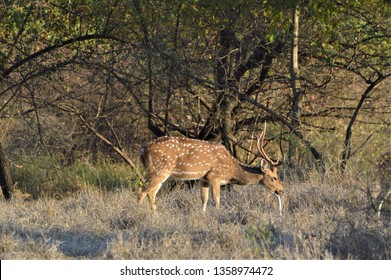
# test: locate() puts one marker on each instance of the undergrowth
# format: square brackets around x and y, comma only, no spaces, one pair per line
[324,217]
[48,177]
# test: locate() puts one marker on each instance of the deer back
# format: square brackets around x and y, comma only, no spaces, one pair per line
[186,158]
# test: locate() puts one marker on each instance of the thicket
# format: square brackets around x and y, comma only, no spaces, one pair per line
[84,83]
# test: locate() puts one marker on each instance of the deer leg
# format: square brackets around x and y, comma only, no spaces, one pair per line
[142,194]
[152,189]
[204,194]
[152,196]
[216,193]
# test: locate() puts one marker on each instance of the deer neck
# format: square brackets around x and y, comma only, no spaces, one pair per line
[246,175]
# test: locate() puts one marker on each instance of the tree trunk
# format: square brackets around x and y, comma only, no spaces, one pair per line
[347,151]
[297,91]
[5,177]
[220,118]
[227,122]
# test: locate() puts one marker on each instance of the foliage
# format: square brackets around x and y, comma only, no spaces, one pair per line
[48,177]
[130,70]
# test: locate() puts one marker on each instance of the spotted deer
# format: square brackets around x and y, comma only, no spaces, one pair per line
[209,162]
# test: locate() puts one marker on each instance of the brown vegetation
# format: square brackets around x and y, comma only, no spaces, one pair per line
[323,218]
[84,83]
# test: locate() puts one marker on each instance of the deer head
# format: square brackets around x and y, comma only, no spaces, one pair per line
[270,180]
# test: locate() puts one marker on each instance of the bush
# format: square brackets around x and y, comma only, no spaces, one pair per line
[46,176]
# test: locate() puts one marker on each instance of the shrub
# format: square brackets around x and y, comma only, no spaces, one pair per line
[46,176]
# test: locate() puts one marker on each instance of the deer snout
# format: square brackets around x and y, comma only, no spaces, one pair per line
[279,192]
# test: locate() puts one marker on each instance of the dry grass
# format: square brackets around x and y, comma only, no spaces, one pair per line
[322,219]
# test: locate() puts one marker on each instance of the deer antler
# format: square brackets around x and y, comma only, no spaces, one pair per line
[262,151]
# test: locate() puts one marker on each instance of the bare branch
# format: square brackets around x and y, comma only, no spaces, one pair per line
[25,60]
[117,149]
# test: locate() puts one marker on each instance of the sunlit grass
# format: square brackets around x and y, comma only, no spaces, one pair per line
[323,218]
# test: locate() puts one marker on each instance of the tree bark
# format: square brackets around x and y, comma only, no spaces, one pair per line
[220,121]
[5,177]
[297,91]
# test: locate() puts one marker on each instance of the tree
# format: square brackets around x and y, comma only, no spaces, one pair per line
[297,91]
[5,178]
[361,46]
[60,33]
[116,73]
